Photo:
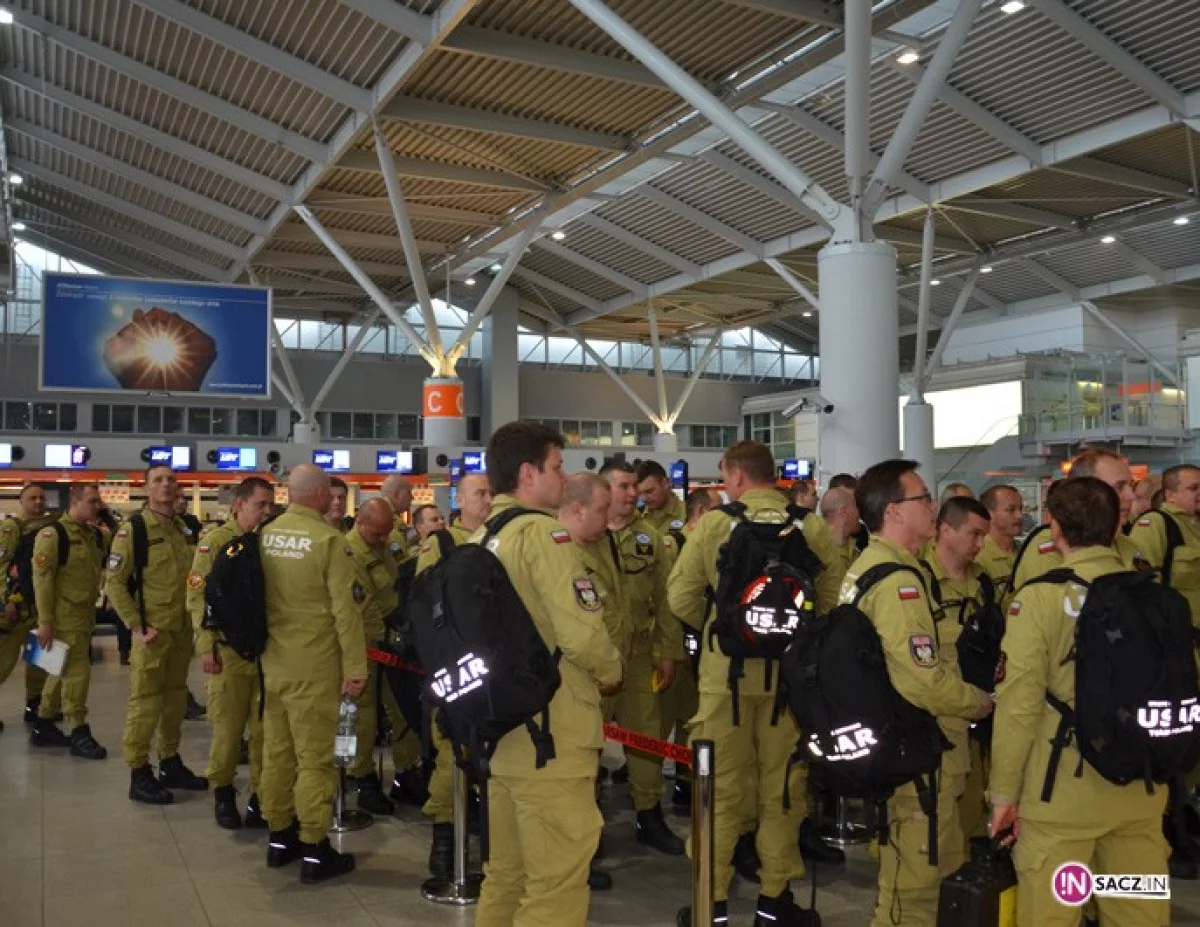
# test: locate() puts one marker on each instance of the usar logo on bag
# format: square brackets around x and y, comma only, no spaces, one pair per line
[451,684]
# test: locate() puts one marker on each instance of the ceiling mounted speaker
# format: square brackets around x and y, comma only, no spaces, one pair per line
[273,457]
[145,455]
[442,460]
[18,452]
[211,457]
[590,463]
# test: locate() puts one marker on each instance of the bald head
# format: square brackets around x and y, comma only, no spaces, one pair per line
[835,500]
[581,488]
[374,521]
[398,491]
[308,485]
[840,511]
[584,510]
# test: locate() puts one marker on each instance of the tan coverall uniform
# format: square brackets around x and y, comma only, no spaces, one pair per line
[376,577]
[234,693]
[1111,828]
[158,672]
[12,637]
[544,823]
[925,674]
[66,603]
[751,757]
[998,565]
[315,642]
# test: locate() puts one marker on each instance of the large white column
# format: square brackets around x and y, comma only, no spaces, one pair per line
[501,370]
[860,362]
[665,443]
[445,412]
[305,433]
[918,440]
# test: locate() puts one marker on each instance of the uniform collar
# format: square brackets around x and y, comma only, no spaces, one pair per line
[991,542]
[508,501]
[763,497]
[1172,509]
[305,512]
[1094,555]
[895,551]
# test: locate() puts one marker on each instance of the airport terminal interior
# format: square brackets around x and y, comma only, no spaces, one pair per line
[250,239]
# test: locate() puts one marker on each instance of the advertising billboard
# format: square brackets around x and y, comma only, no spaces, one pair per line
[115,334]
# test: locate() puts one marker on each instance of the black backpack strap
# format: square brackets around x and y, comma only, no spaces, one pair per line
[935,588]
[734,510]
[445,541]
[1030,539]
[1062,739]
[987,589]
[882,571]
[495,525]
[798,513]
[927,788]
[141,558]
[64,544]
[1174,539]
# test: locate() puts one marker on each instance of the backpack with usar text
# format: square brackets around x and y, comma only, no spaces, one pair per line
[864,738]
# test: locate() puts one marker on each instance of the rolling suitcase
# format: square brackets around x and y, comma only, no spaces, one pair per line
[983,892]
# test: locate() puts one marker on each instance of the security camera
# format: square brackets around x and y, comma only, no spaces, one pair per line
[815,406]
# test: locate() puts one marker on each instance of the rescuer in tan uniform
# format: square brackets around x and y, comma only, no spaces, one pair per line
[999,552]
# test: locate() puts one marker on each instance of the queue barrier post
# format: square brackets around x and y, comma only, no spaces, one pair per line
[463,888]
[346,820]
[704,779]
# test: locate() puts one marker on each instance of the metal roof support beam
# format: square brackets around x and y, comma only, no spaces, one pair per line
[1060,283]
[294,394]
[362,160]
[342,362]
[223,167]
[710,350]
[490,43]
[601,270]
[291,260]
[793,281]
[1122,176]
[905,236]
[660,381]
[764,185]
[396,16]
[837,141]
[924,297]
[1017,212]
[701,219]
[282,388]
[382,206]
[352,238]
[616,378]
[805,11]
[857,103]
[582,300]
[645,246]
[199,99]
[117,204]
[1141,262]
[981,118]
[979,294]
[716,111]
[1164,371]
[1150,82]
[80,254]
[921,383]
[255,49]
[412,253]
[412,109]
[377,295]
[919,105]
[484,307]
[126,171]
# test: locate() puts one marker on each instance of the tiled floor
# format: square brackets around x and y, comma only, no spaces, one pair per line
[74,852]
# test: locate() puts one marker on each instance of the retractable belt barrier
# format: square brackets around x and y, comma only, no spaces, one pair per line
[620,735]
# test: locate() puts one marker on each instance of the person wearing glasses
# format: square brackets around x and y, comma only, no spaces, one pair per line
[899,513]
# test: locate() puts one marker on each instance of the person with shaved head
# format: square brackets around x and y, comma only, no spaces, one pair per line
[840,512]
[316,652]
[398,492]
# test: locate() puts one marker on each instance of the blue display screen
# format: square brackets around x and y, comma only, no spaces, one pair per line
[237,458]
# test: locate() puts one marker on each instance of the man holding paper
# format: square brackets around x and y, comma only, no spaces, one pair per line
[66,583]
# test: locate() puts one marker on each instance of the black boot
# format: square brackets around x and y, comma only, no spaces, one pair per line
[254,819]
[371,797]
[174,775]
[1,727]
[47,734]
[124,657]
[474,812]
[652,831]
[681,795]
[408,787]
[31,709]
[145,788]
[283,846]
[598,879]
[226,809]
[1191,819]
[745,857]
[194,709]
[322,861]
[620,775]
[1180,867]
[816,850]
[84,746]
[783,912]
[720,916]
[441,852]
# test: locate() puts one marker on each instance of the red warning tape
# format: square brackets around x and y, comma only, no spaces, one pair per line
[640,742]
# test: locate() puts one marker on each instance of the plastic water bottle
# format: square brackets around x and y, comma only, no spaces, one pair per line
[345,746]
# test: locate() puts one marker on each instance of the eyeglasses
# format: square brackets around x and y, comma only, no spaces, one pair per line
[925,497]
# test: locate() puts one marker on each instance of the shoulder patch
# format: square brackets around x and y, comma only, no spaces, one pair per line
[1015,609]
[677,525]
[396,547]
[123,533]
[923,650]
[561,536]
[115,561]
[204,548]
[586,595]
[40,560]
[195,581]
[1144,522]
[908,593]
[1045,547]
[426,547]
[1001,668]
[46,533]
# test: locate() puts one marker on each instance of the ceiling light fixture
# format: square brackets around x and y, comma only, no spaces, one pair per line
[1108,240]
[558,234]
[16,179]
[470,281]
[1012,6]
[18,226]
[908,56]
[935,282]
[986,269]
[496,268]
[1182,220]
[807,314]
[6,17]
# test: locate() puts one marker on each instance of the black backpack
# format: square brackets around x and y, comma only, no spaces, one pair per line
[1174,539]
[765,593]
[235,597]
[20,568]
[1137,699]
[141,558]
[861,735]
[982,632]
[691,637]
[488,670]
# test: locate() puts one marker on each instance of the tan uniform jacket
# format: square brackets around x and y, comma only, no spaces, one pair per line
[1149,541]
[544,567]
[376,577]
[314,616]
[430,551]
[1039,638]
[604,571]
[211,542]
[674,516]
[645,558]
[998,564]
[900,609]
[164,585]
[695,573]
[1041,556]
[66,595]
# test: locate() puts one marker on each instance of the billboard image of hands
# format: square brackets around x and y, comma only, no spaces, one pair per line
[115,334]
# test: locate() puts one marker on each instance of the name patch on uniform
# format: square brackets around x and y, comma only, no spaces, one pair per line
[195,581]
[46,533]
[677,525]
[643,546]
[359,593]
[561,536]
[115,561]
[586,595]
[923,651]
[908,593]
[395,547]
[1045,547]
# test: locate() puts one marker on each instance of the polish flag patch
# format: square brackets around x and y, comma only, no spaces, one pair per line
[1045,547]
[561,536]
[908,593]
[1014,609]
